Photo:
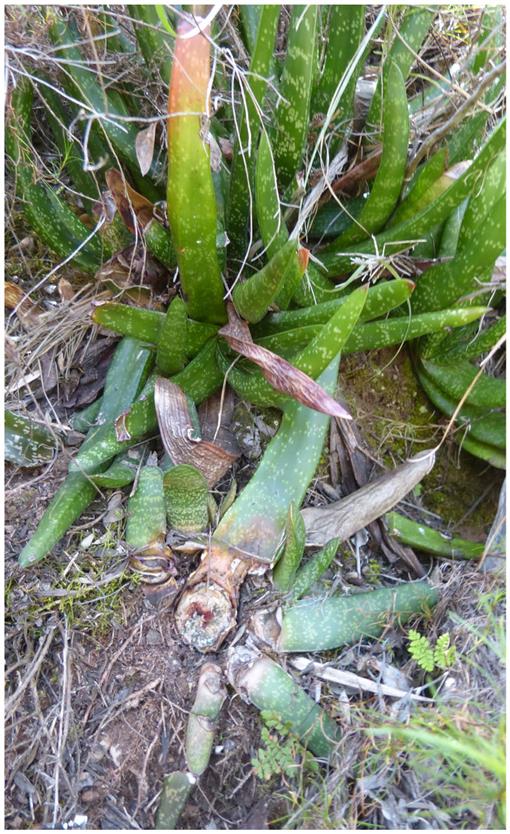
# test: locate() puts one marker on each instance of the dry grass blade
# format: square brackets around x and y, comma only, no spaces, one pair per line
[12,702]
[277,371]
[364,170]
[59,334]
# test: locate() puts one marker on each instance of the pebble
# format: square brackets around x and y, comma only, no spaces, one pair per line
[153,637]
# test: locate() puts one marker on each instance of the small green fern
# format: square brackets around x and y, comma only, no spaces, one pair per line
[444,654]
[421,650]
[282,753]
[428,657]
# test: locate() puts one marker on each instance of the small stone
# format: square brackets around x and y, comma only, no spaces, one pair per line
[85,780]
[90,796]
[153,637]
[117,754]
[87,541]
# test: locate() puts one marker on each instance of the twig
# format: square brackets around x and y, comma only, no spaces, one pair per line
[35,665]
[109,668]
[142,778]
[63,725]
[349,679]
[129,702]
[446,127]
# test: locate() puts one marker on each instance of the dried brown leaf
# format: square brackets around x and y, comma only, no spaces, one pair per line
[348,182]
[65,290]
[121,432]
[226,148]
[215,416]
[132,267]
[144,146]
[303,258]
[283,376]
[130,204]
[15,299]
[179,437]
[345,517]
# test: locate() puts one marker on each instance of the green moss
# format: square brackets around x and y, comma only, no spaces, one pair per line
[388,405]
[456,484]
[397,420]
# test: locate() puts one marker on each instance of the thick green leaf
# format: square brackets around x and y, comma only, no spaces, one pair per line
[292,115]
[191,198]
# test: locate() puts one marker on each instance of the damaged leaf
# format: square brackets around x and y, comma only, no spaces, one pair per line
[180,437]
[27,443]
[131,205]
[350,514]
[283,376]
[15,299]
[144,146]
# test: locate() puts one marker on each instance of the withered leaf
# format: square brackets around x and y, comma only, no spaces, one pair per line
[179,438]
[144,146]
[226,148]
[121,431]
[65,290]
[130,204]
[348,181]
[354,512]
[131,268]
[15,299]
[277,371]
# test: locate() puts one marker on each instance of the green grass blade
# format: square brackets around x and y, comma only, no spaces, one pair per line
[344,31]
[27,443]
[256,520]
[319,624]
[253,297]
[173,339]
[456,377]
[482,425]
[200,378]
[84,86]
[156,44]
[381,297]
[418,535]
[394,239]
[394,331]
[146,522]
[312,571]
[288,563]
[443,284]
[264,683]
[422,189]
[480,204]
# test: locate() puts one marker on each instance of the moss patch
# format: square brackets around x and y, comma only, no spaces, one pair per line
[397,420]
